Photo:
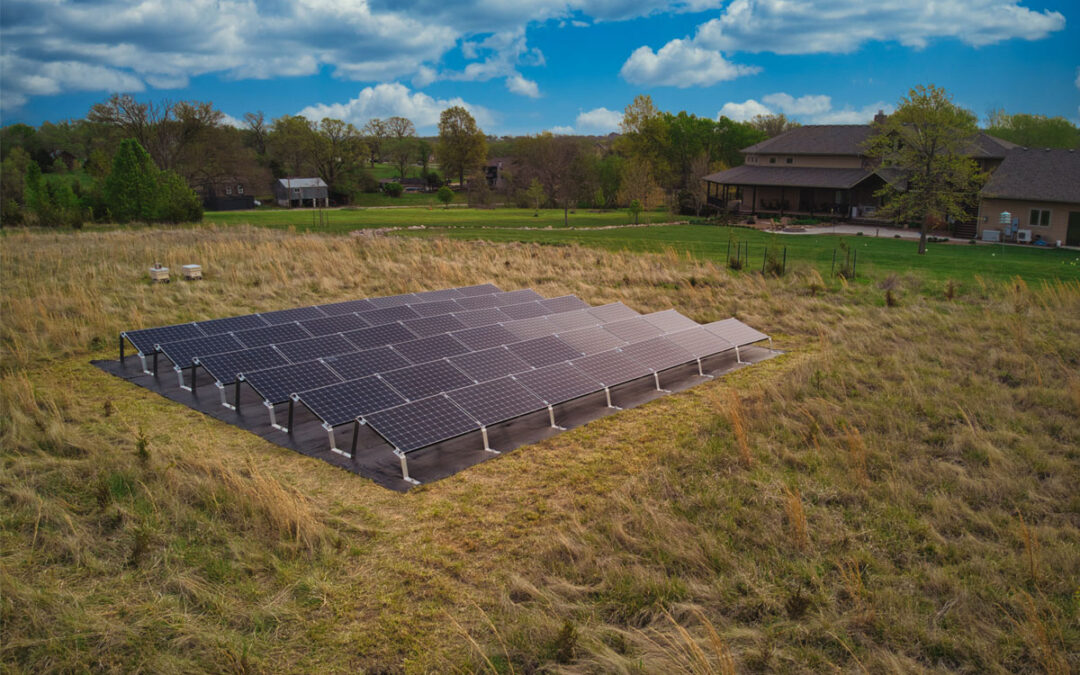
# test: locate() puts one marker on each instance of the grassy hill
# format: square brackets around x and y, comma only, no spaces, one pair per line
[896,493]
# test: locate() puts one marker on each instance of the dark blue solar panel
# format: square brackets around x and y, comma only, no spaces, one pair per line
[436,308]
[182,352]
[225,367]
[479,289]
[484,337]
[615,311]
[394,300]
[277,384]
[377,336]
[591,340]
[377,317]
[489,364]
[368,362]
[433,325]
[434,296]
[421,423]
[633,330]
[497,401]
[286,332]
[524,310]
[145,339]
[565,303]
[430,348]
[517,297]
[347,307]
[481,317]
[477,301]
[558,383]
[290,315]
[658,353]
[543,351]
[700,342]
[345,401]
[670,321]
[317,347]
[231,324]
[416,382]
[339,323]
[572,320]
[736,332]
[527,329]
[611,368]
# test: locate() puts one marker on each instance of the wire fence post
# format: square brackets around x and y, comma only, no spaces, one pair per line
[784,266]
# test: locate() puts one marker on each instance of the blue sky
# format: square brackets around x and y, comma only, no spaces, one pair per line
[568,66]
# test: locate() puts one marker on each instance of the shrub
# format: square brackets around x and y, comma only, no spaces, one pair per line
[445,195]
[393,189]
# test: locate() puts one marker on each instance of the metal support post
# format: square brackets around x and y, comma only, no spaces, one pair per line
[701,371]
[607,392]
[180,378]
[551,417]
[273,417]
[155,364]
[738,357]
[770,345]
[656,378]
[487,448]
[405,468]
[292,405]
[355,437]
[142,360]
[122,349]
[224,399]
[237,401]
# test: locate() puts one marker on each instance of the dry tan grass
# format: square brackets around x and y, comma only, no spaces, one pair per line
[646,533]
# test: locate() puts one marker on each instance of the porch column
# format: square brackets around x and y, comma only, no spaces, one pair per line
[781,201]
[753,200]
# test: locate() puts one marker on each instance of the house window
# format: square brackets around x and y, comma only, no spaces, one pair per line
[790,160]
[772,160]
[1040,217]
[228,190]
[239,189]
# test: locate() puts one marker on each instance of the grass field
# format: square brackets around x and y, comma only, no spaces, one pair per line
[895,493]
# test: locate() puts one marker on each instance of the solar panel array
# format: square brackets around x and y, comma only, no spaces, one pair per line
[421,368]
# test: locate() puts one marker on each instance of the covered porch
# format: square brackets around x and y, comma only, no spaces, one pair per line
[828,193]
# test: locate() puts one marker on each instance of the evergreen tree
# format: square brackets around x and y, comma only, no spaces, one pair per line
[176,202]
[131,186]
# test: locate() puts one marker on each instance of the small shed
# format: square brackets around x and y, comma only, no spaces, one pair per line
[301,192]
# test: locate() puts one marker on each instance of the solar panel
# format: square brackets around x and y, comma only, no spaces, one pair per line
[558,383]
[527,329]
[224,367]
[145,339]
[524,310]
[658,353]
[433,325]
[183,351]
[316,347]
[378,317]
[339,323]
[479,289]
[394,300]
[347,307]
[430,348]
[489,364]
[591,340]
[570,320]
[355,365]
[615,311]
[481,317]
[633,330]
[565,303]
[377,336]
[441,294]
[285,332]
[484,337]
[277,384]
[345,401]
[670,321]
[611,368]
[700,342]
[497,401]
[290,315]
[416,382]
[543,351]
[516,297]
[421,423]
[477,301]
[436,308]
[736,332]
[231,324]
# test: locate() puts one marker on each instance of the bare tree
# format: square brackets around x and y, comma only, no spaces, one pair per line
[257,131]
[375,133]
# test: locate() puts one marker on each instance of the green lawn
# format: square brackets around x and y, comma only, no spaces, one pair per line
[875,257]
[420,199]
[345,220]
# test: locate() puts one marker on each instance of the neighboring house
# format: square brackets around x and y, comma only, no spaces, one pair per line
[408,184]
[228,196]
[818,170]
[1034,196]
[301,192]
[496,172]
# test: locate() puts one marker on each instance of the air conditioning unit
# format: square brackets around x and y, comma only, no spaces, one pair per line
[1023,236]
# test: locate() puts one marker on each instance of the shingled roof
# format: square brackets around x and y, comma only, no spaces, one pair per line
[796,176]
[848,139]
[1036,175]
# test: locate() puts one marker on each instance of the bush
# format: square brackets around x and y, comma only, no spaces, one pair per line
[393,189]
[445,195]
[177,203]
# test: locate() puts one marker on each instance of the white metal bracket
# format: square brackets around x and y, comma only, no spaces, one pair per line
[701,371]
[487,447]
[405,468]
[224,398]
[551,417]
[656,378]
[607,392]
[180,377]
[738,356]
[273,417]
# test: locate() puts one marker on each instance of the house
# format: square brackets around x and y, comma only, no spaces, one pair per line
[495,170]
[1034,195]
[230,195]
[301,192]
[407,184]
[819,170]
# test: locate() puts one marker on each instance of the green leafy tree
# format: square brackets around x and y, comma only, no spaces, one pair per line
[635,209]
[176,202]
[462,147]
[536,195]
[393,189]
[773,125]
[1034,131]
[445,195]
[131,187]
[927,139]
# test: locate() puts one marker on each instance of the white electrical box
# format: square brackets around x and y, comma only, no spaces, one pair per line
[1023,236]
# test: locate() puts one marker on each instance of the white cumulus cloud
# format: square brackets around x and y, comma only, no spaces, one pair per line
[809,109]
[519,85]
[387,100]
[742,112]
[598,120]
[680,63]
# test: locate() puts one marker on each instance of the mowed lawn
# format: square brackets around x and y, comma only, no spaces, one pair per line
[874,257]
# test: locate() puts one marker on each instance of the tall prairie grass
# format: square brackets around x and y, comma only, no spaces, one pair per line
[136,534]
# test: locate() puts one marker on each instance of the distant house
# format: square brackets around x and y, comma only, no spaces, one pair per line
[819,170]
[495,171]
[228,196]
[301,192]
[1033,196]
[408,184]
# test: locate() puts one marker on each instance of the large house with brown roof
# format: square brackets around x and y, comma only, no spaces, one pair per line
[1033,196]
[819,170]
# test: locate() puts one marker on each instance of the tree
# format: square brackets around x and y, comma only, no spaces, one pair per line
[773,125]
[927,139]
[536,195]
[393,189]
[462,147]
[256,131]
[638,185]
[1034,131]
[635,209]
[375,134]
[291,144]
[176,202]
[130,189]
[402,144]
[445,195]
